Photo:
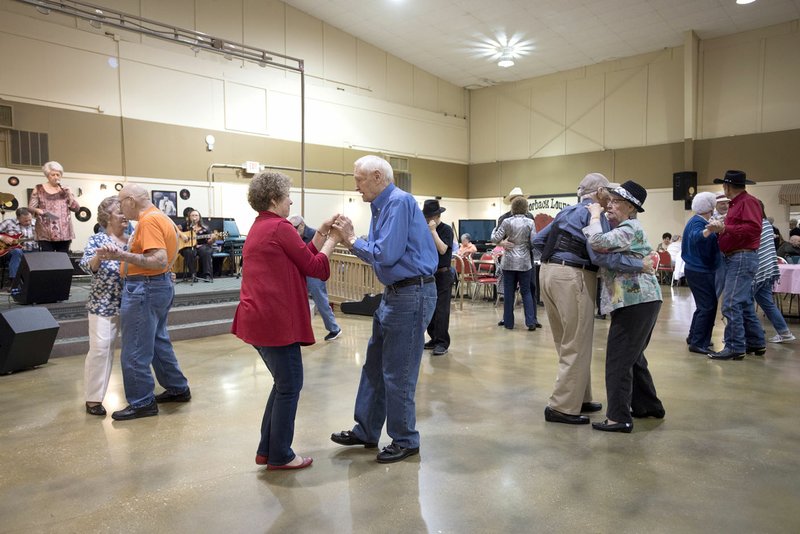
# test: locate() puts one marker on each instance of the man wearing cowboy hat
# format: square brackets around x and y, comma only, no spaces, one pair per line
[739,238]
[569,287]
[442,234]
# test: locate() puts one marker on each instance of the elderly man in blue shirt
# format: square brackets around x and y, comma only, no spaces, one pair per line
[400,249]
[569,286]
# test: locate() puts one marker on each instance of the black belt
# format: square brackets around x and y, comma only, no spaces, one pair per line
[142,278]
[414,281]
[590,267]
[443,269]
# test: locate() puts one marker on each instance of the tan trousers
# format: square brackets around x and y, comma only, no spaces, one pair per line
[569,297]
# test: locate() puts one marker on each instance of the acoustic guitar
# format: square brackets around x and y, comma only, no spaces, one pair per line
[5,248]
[191,238]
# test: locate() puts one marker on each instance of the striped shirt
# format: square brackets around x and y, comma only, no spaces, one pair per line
[767,259]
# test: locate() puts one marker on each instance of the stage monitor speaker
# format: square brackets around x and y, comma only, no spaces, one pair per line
[43,277]
[27,336]
[684,185]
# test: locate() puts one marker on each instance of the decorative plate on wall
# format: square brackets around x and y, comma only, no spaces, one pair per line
[185,194]
[13,181]
[118,186]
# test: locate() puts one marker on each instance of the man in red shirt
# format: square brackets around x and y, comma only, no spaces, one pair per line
[739,238]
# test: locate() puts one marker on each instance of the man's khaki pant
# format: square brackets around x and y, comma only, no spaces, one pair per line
[569,298]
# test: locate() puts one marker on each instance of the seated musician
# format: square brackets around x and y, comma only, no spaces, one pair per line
[17,236]
[197,241]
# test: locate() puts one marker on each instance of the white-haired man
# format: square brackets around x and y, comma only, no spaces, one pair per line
[400,249]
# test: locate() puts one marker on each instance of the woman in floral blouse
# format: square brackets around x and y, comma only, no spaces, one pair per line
[633,300]
[52,203]
[103,304]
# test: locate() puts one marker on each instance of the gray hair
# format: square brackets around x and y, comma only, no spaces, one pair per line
[296,220]
[51,166]
[370,164]
[266,188]
[704,202]
[105,209]
[466,236]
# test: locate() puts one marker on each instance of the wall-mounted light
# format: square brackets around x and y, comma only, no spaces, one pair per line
[210,140]
[103,187]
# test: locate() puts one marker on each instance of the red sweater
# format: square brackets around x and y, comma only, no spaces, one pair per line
[742,224]
[273,305]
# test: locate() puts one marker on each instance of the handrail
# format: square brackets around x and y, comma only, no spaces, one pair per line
[351,278]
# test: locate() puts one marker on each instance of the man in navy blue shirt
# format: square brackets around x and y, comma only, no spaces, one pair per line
[400,249]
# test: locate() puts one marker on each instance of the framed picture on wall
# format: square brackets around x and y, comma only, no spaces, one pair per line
[166,201]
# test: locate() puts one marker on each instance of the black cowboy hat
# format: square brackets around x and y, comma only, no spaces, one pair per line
[734,178]
[431,208]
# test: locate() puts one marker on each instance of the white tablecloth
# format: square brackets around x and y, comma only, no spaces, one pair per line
[790,279]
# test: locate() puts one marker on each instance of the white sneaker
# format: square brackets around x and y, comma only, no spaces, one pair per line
[782,338]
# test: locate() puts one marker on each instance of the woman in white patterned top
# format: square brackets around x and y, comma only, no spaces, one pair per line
[633,300]
[103,304]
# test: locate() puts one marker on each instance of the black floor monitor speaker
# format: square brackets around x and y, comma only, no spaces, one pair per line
[366,306]
[43,277]
[26,338]
[684,185]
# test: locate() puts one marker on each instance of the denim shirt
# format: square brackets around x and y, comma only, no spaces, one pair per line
[621,289]
[399,244]
[105,294]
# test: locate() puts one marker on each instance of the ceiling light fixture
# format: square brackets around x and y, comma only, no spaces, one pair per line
[744,2]
[506,58]
[502,49]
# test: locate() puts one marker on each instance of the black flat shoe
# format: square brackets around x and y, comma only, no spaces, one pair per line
[726,354]
[698,350]
[97,409]
[758,351]
[430,345]
[134,413]
[395,453]
[591,407]
[554,416]
[183,396]
[347,438]
[538,325]
[501,323]
[616,427]
[532,327]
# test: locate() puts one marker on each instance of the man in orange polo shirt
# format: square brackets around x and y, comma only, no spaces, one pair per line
[146,299]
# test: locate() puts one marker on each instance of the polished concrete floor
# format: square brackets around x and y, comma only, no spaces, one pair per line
[725,458]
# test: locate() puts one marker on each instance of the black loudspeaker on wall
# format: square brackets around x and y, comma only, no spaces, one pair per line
[684,185]
[43,277]
[26,338]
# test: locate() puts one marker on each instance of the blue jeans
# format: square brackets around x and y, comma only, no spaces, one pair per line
[704,291]
[277,427]
[510,280]
[742,329]
[14,261]
[719,281]
[143,319]
[319,293]
[390,373]
[763,294]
